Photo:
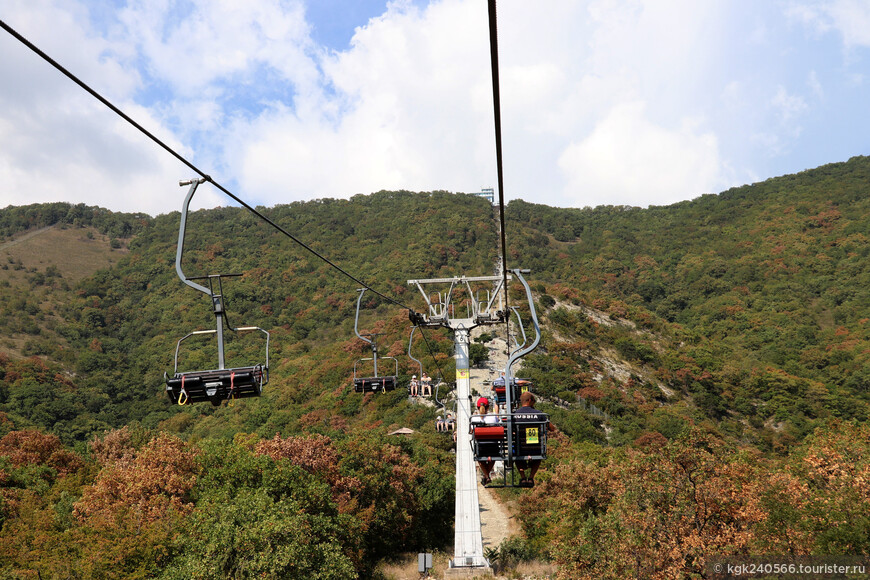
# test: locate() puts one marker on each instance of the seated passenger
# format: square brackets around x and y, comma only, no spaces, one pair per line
[414,386]
[427,385]
[440,425]
[528,413]
[483,417]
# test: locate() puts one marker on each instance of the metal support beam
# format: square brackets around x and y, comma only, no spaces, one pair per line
[467,539]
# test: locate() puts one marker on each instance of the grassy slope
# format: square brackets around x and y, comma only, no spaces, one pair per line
[41,266]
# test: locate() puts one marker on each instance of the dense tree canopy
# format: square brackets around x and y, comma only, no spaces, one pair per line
[706,362]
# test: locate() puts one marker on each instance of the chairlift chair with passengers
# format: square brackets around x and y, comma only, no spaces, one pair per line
[518,387]
[515,438]
[370,384]
[220,383]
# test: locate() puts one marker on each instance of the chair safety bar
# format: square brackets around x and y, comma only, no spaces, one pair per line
[376,383]
[217,385]
[211,331]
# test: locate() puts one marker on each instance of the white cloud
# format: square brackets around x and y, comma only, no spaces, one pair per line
[59,143]
[788,107]
[409,105]
[587,86]
[214,43]
[410,113]
[850,18]
[627,160]
[412,107]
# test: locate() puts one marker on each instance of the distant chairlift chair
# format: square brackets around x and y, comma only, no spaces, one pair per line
[221,383]
[370,384]
[518,387]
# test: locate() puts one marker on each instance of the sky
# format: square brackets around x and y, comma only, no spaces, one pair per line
[603,102]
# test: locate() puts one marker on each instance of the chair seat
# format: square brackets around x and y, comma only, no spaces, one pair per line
[489,442]
[216,385]
[372,384]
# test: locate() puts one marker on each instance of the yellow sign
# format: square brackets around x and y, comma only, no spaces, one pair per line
[461,374]
[532,435]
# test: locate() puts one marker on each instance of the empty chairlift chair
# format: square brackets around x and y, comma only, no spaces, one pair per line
[383,384]
[220,383]
[370,384]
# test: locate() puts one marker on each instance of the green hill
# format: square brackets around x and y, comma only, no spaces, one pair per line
[733,327]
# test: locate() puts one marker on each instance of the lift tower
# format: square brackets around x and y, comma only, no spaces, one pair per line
[484,306]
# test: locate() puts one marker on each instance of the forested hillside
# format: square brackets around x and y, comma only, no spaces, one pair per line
[763,291]
[726,339]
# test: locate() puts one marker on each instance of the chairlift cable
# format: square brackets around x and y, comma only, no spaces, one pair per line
[190,165]
[431,352]
[496,101]
[207,177]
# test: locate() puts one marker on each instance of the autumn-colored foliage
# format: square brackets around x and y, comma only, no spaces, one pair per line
[290,506]
[149,483]
[707,365]
[653,513]
[664,510]
[32,447]
[820,501]
[318,456]
[376,483]
[120,527]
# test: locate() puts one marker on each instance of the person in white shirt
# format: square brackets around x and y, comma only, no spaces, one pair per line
[485,418]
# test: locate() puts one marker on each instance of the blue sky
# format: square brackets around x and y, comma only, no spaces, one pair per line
[604,102]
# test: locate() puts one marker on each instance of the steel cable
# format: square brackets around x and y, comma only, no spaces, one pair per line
[190,165]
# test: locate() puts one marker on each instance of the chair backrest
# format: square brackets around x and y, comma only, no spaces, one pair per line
[488,432]
[489,442]
[530,437]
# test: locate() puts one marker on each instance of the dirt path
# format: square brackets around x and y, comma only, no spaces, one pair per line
[496,524]
[25,237]
[481,378]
